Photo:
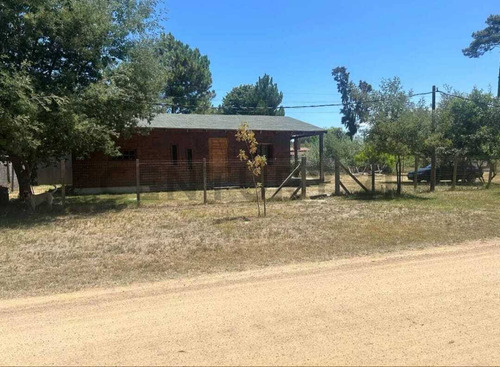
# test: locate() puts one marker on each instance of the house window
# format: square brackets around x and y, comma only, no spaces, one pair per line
[267,151]
[174,154]
[190,158]
[126,155]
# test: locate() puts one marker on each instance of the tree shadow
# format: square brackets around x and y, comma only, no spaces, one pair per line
[495,186]
[385,196]
[231,219]
[18,214]
[440,183]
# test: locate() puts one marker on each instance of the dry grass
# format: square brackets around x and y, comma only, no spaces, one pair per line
[106,240]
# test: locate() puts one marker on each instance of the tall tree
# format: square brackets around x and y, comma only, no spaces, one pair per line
[398,126]
[73,75]
[262,98]
[189,80]
[355,108]
[239,101]
[337,144]
[471,126]
[486,40]
[268,97]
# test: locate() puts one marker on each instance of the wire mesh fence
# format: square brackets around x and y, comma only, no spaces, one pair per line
[415,175]
[199,181]
[231,180]
[184,180]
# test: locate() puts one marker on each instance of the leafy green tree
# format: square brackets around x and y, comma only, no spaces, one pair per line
[189,80]
[355,109]
[397,125]
[387,132]
[336,144]
[369,155]
[486,40]
[471,126]
[73,75]
[263,98]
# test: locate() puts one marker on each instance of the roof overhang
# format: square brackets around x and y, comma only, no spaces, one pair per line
[298,135]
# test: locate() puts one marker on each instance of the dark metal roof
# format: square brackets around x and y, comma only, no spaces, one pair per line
[230,122]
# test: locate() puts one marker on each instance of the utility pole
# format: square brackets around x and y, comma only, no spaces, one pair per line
[433,127]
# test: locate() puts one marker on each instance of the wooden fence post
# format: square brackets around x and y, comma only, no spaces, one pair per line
[204,180]
[321,158]
[303,177]
[454,177]
[373,178]
[295,151]
[415,176]
[12,178]
[433,129]
[337,176]
[353,177]
[284,182]
[398,172]
[63,181]
[137,181]
[263,190]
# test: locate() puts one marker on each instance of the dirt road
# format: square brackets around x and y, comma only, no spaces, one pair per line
[433,306]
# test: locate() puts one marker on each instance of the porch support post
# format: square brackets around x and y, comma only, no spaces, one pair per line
[296,151]
[321,159]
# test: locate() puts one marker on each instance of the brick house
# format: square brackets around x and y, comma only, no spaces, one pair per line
[172,148]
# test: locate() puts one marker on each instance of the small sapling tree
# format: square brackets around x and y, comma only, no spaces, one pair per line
[254,162]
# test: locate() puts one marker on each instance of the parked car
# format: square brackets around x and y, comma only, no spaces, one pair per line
[465,173]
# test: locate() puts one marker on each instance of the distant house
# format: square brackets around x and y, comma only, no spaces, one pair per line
[302,151]
[173,146]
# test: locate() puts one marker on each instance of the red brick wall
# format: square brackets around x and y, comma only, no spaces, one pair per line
[154,151]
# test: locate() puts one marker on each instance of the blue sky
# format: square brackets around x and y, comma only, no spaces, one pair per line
[299,42]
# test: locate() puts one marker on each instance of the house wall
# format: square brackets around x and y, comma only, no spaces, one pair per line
[51,174]
[158,171]
[7,174]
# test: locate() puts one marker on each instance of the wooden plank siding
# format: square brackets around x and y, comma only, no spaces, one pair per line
[160,171]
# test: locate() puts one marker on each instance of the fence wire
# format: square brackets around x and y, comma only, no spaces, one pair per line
[471,172]
[230,180]
[224,180]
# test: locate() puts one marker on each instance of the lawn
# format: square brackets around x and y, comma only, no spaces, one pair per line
[102,241]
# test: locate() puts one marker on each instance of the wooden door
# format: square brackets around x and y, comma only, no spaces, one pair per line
[217,152]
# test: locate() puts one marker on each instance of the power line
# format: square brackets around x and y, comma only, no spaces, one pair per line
[336,104]
[491,104]
[419,94]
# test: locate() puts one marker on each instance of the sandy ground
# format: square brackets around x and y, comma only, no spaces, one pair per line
[434,306]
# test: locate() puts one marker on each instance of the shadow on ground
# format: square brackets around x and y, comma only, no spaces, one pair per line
[18,214]
[441,183]
[385,196]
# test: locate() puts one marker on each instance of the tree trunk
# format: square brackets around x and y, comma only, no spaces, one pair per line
[373,178]
[415,176]
[398,172]
[454,176]
[256,193]
[23,173]
[491,174]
